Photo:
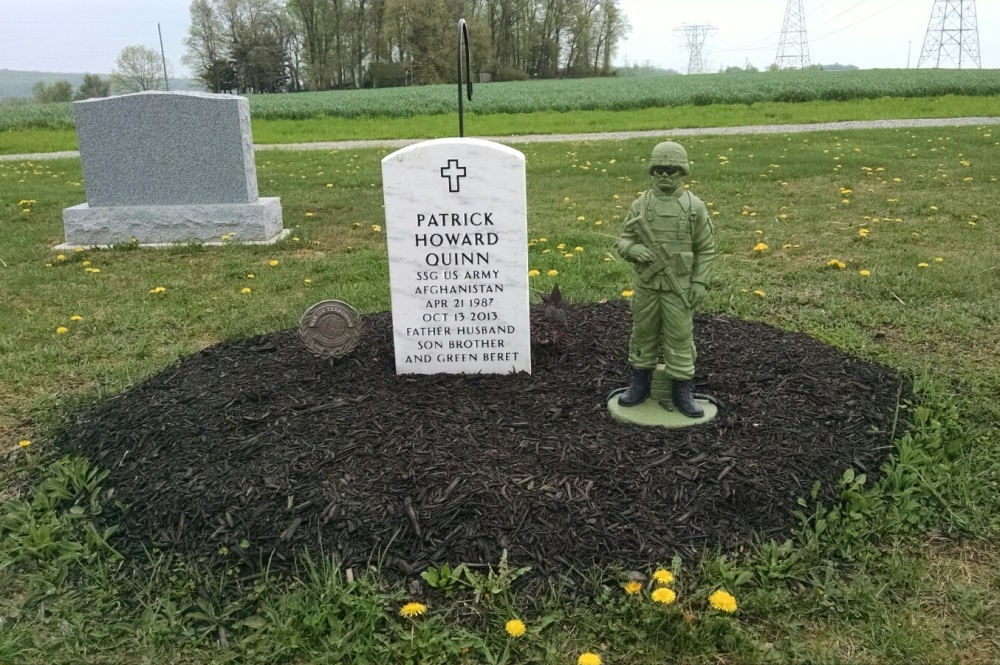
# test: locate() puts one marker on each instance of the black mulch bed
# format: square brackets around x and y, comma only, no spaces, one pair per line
[258,440]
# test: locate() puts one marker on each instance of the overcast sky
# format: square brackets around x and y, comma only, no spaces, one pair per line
[87,35]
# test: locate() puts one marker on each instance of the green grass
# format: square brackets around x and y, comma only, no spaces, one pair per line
[904,569]
[23,141]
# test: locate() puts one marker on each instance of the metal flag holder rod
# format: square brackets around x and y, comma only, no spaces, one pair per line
[463,37]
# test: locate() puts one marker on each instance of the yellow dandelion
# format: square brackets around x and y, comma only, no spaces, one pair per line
[921,265]
[578,249]
[273,263]
[864,273]
[938,260]
[845,201]
[615,197]
[412,609]
[533,273]
[85,264]
[760,247]
[588,658]
[759,293]
[515,628]
[156,290]
[598,223]
[245,290]
[565,199]
[581,218]
[835,263]
[934,208]
[79,250]
[864,232]
[543,240]
[309,214]
[715,213]
[250,275]
[60,257]
[24,443]
[77,317]
[329,185]
[723,601]
[62,330]
[663,576]
[552,273]
[628,293]
[296,239]
[376,228]
[633,587]
[758,232]
[664,596]
[561,246]
[307,281]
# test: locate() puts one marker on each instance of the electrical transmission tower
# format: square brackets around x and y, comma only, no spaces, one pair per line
[952,35]
[694,40]
[793,47]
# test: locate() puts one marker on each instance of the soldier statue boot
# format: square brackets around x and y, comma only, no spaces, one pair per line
[684,400]
[638,387]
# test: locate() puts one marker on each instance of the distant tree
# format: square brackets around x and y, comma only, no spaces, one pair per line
[773,67]
[59,91]
[206,48]
[138,68]
[93,86]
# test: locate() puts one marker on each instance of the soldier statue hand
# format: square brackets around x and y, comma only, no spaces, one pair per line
[696,295]
[642,254]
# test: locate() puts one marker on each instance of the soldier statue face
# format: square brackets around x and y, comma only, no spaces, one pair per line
[667,178]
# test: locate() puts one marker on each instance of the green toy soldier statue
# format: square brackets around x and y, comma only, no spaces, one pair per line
[670,239]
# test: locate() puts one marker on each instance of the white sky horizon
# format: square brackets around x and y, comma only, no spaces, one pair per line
[75,37]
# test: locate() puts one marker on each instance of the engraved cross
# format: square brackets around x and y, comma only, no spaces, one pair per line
[453,172]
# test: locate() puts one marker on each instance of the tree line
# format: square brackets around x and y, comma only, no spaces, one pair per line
[273,45]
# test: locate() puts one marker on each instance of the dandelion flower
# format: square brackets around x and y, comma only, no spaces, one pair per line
[565,199]
[759,293]
[85,264]
[309,214]
[515,628]
[561,246]
[62,330]
[412,609]
[578,249]
[376,228]
[588,658]
[934,208]
[533,273]
[663,576]
[156,290]
[307,281]
[921,265]
[552,273]
[60,257]
[329,185]
[273,263]
[245,290]
[664,596]
[633,587]
[581,218]
[835,263]
[24,443]
[723,601]
[864,273]
[628,293]
[938,260]
[759,247]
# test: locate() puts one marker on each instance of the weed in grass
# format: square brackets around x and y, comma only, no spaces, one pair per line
[853,583]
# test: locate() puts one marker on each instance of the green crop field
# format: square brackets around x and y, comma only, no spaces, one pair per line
[609,94]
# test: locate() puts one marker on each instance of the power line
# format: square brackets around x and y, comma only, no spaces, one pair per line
[952,34]
[793,47]
[694,40]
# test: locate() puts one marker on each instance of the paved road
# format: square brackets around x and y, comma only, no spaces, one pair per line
[602,136]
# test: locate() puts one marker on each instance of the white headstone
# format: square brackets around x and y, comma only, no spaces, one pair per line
[457,228]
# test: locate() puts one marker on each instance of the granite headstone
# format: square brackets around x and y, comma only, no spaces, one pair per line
[168,167]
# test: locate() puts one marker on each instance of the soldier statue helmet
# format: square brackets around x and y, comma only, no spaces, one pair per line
[669,238]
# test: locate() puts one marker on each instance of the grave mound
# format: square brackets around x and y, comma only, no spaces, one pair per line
[255,449]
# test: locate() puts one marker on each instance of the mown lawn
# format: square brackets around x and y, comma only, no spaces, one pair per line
[904,568]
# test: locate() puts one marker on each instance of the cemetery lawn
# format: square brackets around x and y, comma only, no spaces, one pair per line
[880,243]
[30,135]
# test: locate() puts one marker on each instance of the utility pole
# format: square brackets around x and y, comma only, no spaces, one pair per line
[166,81]
[793,47]
[952,35]
[694,40]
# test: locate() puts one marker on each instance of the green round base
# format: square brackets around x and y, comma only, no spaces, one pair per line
[650,414]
